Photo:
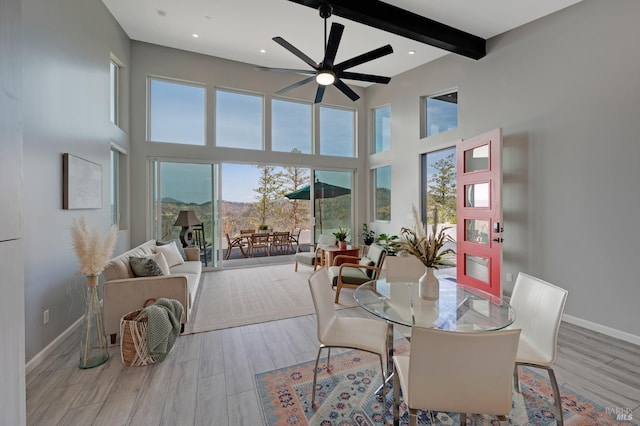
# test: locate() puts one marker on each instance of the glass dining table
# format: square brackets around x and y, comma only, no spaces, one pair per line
[459,308]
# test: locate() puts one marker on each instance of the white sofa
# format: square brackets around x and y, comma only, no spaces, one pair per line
[124,292]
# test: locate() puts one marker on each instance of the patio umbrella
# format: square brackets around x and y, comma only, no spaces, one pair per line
[320,190]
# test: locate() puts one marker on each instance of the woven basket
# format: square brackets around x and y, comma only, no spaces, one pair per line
[133,339]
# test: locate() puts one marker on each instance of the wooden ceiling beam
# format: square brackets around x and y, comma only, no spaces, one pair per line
[393,19]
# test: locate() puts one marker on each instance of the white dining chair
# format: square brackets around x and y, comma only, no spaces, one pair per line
[456,372]
[363,334]
[403,268]
[539,306]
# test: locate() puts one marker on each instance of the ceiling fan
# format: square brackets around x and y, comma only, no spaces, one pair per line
[326,72]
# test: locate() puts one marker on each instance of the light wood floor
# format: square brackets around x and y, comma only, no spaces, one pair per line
[208,379]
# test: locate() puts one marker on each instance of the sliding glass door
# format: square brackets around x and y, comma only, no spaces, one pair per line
[182,186]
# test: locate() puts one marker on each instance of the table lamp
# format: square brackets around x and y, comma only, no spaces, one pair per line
[186,219]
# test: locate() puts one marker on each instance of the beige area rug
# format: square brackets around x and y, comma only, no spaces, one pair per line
[235,297]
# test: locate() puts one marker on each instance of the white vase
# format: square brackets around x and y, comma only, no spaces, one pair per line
[429,285]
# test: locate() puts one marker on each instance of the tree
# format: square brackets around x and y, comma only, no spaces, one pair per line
[442,192]
[294,179]
[270,189]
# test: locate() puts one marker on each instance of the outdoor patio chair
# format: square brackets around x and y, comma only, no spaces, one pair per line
[356,270]
[294,237]
[259,240]
[280,242]
[238,243]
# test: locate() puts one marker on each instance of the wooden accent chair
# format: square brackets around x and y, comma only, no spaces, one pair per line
[314,256]
[539,306]
[356,270]
[473,373]
[363,334]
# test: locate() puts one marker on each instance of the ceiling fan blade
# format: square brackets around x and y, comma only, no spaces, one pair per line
[294,85]
[365,57]
[284,43]
[346,90]
[332,44]
[364,77]
[319,93]
[289,70]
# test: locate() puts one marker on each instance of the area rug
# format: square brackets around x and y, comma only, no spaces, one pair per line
[236,297]
[346,397]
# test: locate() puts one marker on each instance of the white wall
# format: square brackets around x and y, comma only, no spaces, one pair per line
[66,52]
[565,90]
[12,389]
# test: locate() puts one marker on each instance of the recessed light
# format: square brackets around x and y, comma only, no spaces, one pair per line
[412,52]
[263,51]
[195,35]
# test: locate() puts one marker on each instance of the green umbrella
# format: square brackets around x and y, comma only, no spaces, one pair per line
[320,190]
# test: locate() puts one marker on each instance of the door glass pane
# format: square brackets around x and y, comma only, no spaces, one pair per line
[476,159]
[476,195]
[477,267]
[477,231]
[179,187]
[332,194]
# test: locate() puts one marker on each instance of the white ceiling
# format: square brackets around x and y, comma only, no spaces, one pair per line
[239,29]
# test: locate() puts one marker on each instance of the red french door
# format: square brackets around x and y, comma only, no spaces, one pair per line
[479,212]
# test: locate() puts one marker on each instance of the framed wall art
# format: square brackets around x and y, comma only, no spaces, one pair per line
[82,183]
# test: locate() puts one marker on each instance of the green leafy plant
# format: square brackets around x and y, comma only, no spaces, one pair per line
[341,234]
[428,248]
[368,235]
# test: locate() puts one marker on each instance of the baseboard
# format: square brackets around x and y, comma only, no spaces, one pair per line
[622,335]
[44,354]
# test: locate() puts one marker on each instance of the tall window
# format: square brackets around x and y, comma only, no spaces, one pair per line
[382,128]
[439,187]
[114,89]
[291,126]
[177,112]
[117,169]
[239,120]
[337,131]
[441,113]
[382,193]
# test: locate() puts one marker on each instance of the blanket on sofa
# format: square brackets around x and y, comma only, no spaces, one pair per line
[163,326]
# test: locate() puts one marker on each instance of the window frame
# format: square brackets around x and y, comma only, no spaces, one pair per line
[374,192]
[262,116]
[374,130]
[176,81]
[354,128]
[311,123]
[424,112]
[115,83]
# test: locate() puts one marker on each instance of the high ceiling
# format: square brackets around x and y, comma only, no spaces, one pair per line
[240,29]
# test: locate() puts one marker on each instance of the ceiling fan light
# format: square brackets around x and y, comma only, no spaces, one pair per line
[325,78]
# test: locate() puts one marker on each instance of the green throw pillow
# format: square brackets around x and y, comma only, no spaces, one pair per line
[144,267]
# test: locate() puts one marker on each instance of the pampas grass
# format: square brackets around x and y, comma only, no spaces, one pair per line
[94,252]
[92,249]
[426,247]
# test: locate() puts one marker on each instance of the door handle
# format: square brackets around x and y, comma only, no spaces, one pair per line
[498,240]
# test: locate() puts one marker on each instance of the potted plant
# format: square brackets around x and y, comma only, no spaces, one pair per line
[386,242]
[429,249]
[263,227]
[341,235]
[368,235]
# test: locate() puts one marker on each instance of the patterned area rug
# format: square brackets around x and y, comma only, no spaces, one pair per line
[346,397]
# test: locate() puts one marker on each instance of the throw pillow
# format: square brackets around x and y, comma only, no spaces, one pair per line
[178,245]
[365,261]
[171,253]
[162,262]
[144,267]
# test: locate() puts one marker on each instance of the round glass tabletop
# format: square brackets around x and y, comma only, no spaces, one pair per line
[459,308]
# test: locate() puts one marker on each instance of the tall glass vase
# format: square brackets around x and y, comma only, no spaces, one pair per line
[93,340]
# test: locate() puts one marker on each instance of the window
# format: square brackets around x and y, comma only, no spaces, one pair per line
[291,126]
[441,113]
[239,120]
[382,128]
[439,187]
[382,193]
[114,92]
[117,168]
[176,112]
[337,131]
